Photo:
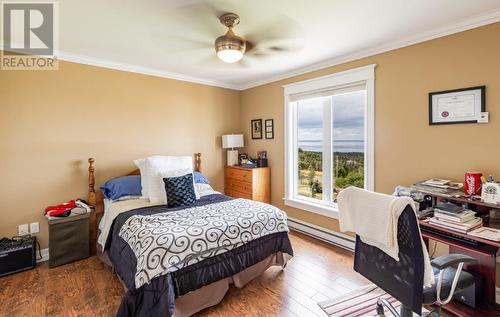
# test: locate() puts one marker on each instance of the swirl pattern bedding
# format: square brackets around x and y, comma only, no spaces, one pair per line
[169,241]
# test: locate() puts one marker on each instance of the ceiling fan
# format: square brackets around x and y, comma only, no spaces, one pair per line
[257,40]
[231,47]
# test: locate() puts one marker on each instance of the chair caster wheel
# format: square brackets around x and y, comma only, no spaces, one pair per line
[380,309]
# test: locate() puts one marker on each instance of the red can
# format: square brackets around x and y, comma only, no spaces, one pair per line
[472,183]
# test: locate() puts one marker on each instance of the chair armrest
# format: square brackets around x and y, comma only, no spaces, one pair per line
[445,261]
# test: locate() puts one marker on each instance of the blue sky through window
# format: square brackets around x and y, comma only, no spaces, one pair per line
[348,122]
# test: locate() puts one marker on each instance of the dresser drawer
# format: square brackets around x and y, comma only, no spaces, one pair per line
[237,194]
[239,174]
[238,185]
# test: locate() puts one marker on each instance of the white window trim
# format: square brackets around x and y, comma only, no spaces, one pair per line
[361,74]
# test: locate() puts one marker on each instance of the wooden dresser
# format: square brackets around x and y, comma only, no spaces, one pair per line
[250,183]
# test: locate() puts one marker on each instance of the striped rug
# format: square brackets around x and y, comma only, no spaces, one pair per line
[361,302]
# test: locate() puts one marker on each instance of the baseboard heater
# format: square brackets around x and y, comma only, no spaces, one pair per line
[336,238]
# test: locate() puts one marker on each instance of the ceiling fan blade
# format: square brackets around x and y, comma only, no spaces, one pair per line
[258,54]
[280,28]
[202,18]
[246,62]
[281,45]
[284,34]
[171,43]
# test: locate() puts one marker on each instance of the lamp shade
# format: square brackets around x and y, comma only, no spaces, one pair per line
[232,141]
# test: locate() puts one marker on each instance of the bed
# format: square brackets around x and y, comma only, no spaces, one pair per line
[178,261]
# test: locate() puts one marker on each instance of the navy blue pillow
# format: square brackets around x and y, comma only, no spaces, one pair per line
[122,186]
[180,191]
[199,178]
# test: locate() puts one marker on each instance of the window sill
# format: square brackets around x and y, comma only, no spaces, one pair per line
[321,209]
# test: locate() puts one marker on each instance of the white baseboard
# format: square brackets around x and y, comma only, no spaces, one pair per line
[45,255]
[498,295]
[329,236]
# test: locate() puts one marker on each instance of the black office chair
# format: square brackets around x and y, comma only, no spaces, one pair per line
[403,280]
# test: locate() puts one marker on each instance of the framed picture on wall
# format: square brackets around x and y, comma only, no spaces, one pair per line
[257,129]
[269,128]
[463,105]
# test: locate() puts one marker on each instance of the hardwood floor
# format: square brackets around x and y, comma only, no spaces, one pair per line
[317,272]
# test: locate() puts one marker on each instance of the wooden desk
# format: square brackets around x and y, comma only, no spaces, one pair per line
[485,253]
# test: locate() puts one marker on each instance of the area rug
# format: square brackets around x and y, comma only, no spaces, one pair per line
[360,302]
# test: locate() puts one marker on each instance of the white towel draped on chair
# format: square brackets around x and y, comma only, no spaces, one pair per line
[374,217]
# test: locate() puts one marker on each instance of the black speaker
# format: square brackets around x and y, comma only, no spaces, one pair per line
[472,295]
[17,255]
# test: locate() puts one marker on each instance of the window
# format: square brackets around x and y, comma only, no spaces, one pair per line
[329,138]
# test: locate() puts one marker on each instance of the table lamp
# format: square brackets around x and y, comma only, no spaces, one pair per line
[231,141]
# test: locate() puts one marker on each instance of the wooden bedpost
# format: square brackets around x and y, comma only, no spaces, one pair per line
[92,200]
[197,162]
[91,194]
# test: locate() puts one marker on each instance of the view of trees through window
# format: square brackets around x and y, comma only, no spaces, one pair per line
[310,136]
[348,155]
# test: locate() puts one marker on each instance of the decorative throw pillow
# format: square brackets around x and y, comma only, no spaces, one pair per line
[180,190]
[160,196]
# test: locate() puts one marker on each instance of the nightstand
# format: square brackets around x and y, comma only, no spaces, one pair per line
[68,239]
[249,183]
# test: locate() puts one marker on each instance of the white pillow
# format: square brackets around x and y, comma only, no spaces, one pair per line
[141,165]
[204,189]
[162,193]
[156,166]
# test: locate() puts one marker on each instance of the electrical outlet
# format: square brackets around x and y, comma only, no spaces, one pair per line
[34,227]
[23,229]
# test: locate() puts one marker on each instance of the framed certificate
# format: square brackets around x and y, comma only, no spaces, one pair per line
[457,106]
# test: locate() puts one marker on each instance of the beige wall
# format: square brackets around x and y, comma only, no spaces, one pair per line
[407,149]
[52,121]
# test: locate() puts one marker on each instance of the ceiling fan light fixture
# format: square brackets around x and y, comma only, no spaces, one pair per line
[230,47]
[230,56]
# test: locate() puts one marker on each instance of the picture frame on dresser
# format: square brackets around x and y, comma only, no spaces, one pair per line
[242,157]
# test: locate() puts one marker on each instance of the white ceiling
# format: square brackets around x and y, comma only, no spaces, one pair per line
[175,38]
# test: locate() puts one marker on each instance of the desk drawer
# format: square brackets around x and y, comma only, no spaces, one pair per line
[239,174]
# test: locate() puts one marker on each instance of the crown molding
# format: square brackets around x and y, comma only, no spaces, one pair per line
[104,63]
[456,27]
[87,60]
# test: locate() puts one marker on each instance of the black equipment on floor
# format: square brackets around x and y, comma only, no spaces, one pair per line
[472,295]
[17,254]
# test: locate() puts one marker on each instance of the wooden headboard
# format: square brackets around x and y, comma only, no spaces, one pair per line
[96,198]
